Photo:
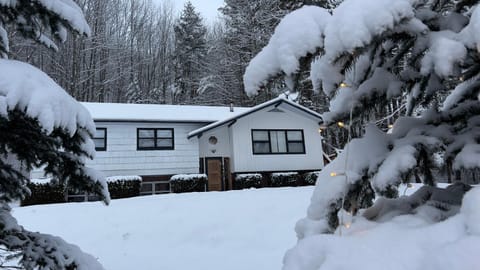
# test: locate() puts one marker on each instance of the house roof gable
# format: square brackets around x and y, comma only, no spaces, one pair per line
[274,102]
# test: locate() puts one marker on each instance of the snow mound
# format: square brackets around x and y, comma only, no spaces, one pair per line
[299,33]
[404,242]
[470,205]
[26,88]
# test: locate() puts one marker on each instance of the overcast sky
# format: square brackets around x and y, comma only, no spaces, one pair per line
[208,8]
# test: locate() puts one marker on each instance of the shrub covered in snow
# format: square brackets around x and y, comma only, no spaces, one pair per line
[285,179]
[310,178]
[124,186]
[188,183]
[248,180]
[44,192]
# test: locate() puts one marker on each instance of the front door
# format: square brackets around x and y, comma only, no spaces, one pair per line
[214,174]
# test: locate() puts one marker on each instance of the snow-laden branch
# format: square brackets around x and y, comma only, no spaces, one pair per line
[299,33]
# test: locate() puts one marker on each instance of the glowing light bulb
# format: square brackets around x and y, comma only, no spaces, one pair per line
[341,124]
[390,126]
[333,174]
[347,225]
[322,128]
[343,84]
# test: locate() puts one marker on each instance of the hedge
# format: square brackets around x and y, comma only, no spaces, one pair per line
[45,192]
[286,179]
[124,186]
[181,183]
[251,180]
[310,178]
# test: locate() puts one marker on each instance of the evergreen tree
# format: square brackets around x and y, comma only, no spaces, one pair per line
[190,52]
[41,126]
[414,59]
[248,26]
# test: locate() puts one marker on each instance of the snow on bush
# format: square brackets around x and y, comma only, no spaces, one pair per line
[284,179]
[188,183]
[186,177]
[248,180]
[124,186]
[311,177]
[299,33]
[125,178]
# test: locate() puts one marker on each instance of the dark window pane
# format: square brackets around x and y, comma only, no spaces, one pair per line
[162,187]
[99,133]
[164,143]
[146,133]
[146,143]
[260,135]
[295,147]
[146,187]
[164,133]
[294,135]
[99,143]
[261,147]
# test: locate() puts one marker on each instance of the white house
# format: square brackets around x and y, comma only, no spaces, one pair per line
[158,141]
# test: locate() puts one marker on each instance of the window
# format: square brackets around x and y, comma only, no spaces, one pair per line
[155,139]
[278,142]
[156,187]
[100,139]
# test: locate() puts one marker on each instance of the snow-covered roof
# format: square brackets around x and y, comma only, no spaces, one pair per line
[277,102]
[120,112]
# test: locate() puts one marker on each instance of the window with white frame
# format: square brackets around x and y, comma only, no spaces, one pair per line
[278,141]
[155,139]
[100,139]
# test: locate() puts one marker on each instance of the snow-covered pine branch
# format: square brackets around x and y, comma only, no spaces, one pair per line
[371,53]
[41,126]
[45,21]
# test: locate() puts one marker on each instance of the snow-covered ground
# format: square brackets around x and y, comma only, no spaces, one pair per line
[249,229]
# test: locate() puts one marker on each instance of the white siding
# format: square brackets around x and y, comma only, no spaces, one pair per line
[123,158]
[243,159]
[221,149]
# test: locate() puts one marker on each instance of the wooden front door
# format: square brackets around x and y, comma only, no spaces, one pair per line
[214,174]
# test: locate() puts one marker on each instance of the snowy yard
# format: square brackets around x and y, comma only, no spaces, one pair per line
[249,229]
